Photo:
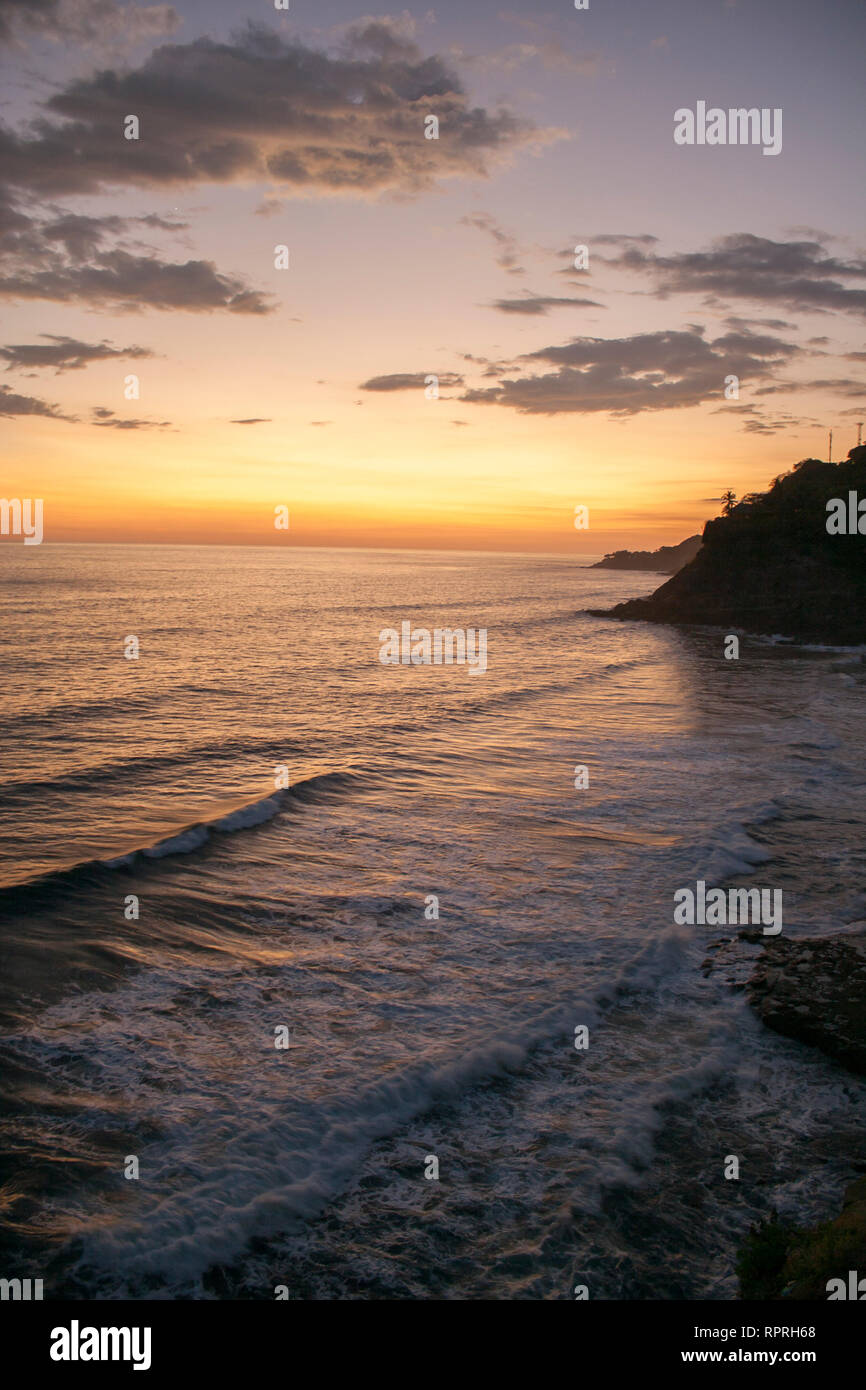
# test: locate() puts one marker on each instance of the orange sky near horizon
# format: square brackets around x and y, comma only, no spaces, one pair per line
[637,479]
[600,387]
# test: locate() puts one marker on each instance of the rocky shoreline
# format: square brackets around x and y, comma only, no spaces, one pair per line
[790,562]
[775,565]
[813,990]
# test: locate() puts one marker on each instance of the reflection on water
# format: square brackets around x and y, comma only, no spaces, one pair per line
[153,1034]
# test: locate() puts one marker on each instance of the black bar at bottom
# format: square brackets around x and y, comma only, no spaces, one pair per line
[225,1338]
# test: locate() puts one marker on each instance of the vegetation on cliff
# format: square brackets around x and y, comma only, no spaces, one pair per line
[811,989]
[774,564]
[780,1261]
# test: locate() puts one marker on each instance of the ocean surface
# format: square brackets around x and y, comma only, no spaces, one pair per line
[261,907]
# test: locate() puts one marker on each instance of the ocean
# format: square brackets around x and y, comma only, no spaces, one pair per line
[256,831]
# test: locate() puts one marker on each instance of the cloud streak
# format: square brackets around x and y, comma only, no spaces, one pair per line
[538,304]
[102,22]
[408,381]
[106,419]
[13,404]
[71,258]
[64,354]
[624,376]
[800,275]
[508,258]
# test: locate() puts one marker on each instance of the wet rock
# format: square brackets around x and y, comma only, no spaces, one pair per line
[815,991]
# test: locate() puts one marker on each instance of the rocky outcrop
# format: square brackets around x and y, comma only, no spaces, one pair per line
[772,566]
[814,990]
[666,560]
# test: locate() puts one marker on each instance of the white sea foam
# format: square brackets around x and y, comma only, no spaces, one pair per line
[192,837]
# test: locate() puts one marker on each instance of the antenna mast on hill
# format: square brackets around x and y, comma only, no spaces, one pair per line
[830,449]
[859,432]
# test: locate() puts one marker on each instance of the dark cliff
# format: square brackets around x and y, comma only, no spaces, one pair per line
[666,560]
[771,565]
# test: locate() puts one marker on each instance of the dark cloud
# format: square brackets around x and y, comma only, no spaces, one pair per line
[260,108]
[163,224]
[106,419]
[31,12]
[85,21]
[778,325]
[13,404]
[253,420]
[799,274]
[69,258]
[64,354]
[79,236]
[119,280]
[14,223]
[540,304]
[408,381]
[58,232]
[761,345]
[651,371]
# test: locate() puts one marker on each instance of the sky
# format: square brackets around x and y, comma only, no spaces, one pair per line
[562,380]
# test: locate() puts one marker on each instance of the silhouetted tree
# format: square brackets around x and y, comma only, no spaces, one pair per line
[729,501]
